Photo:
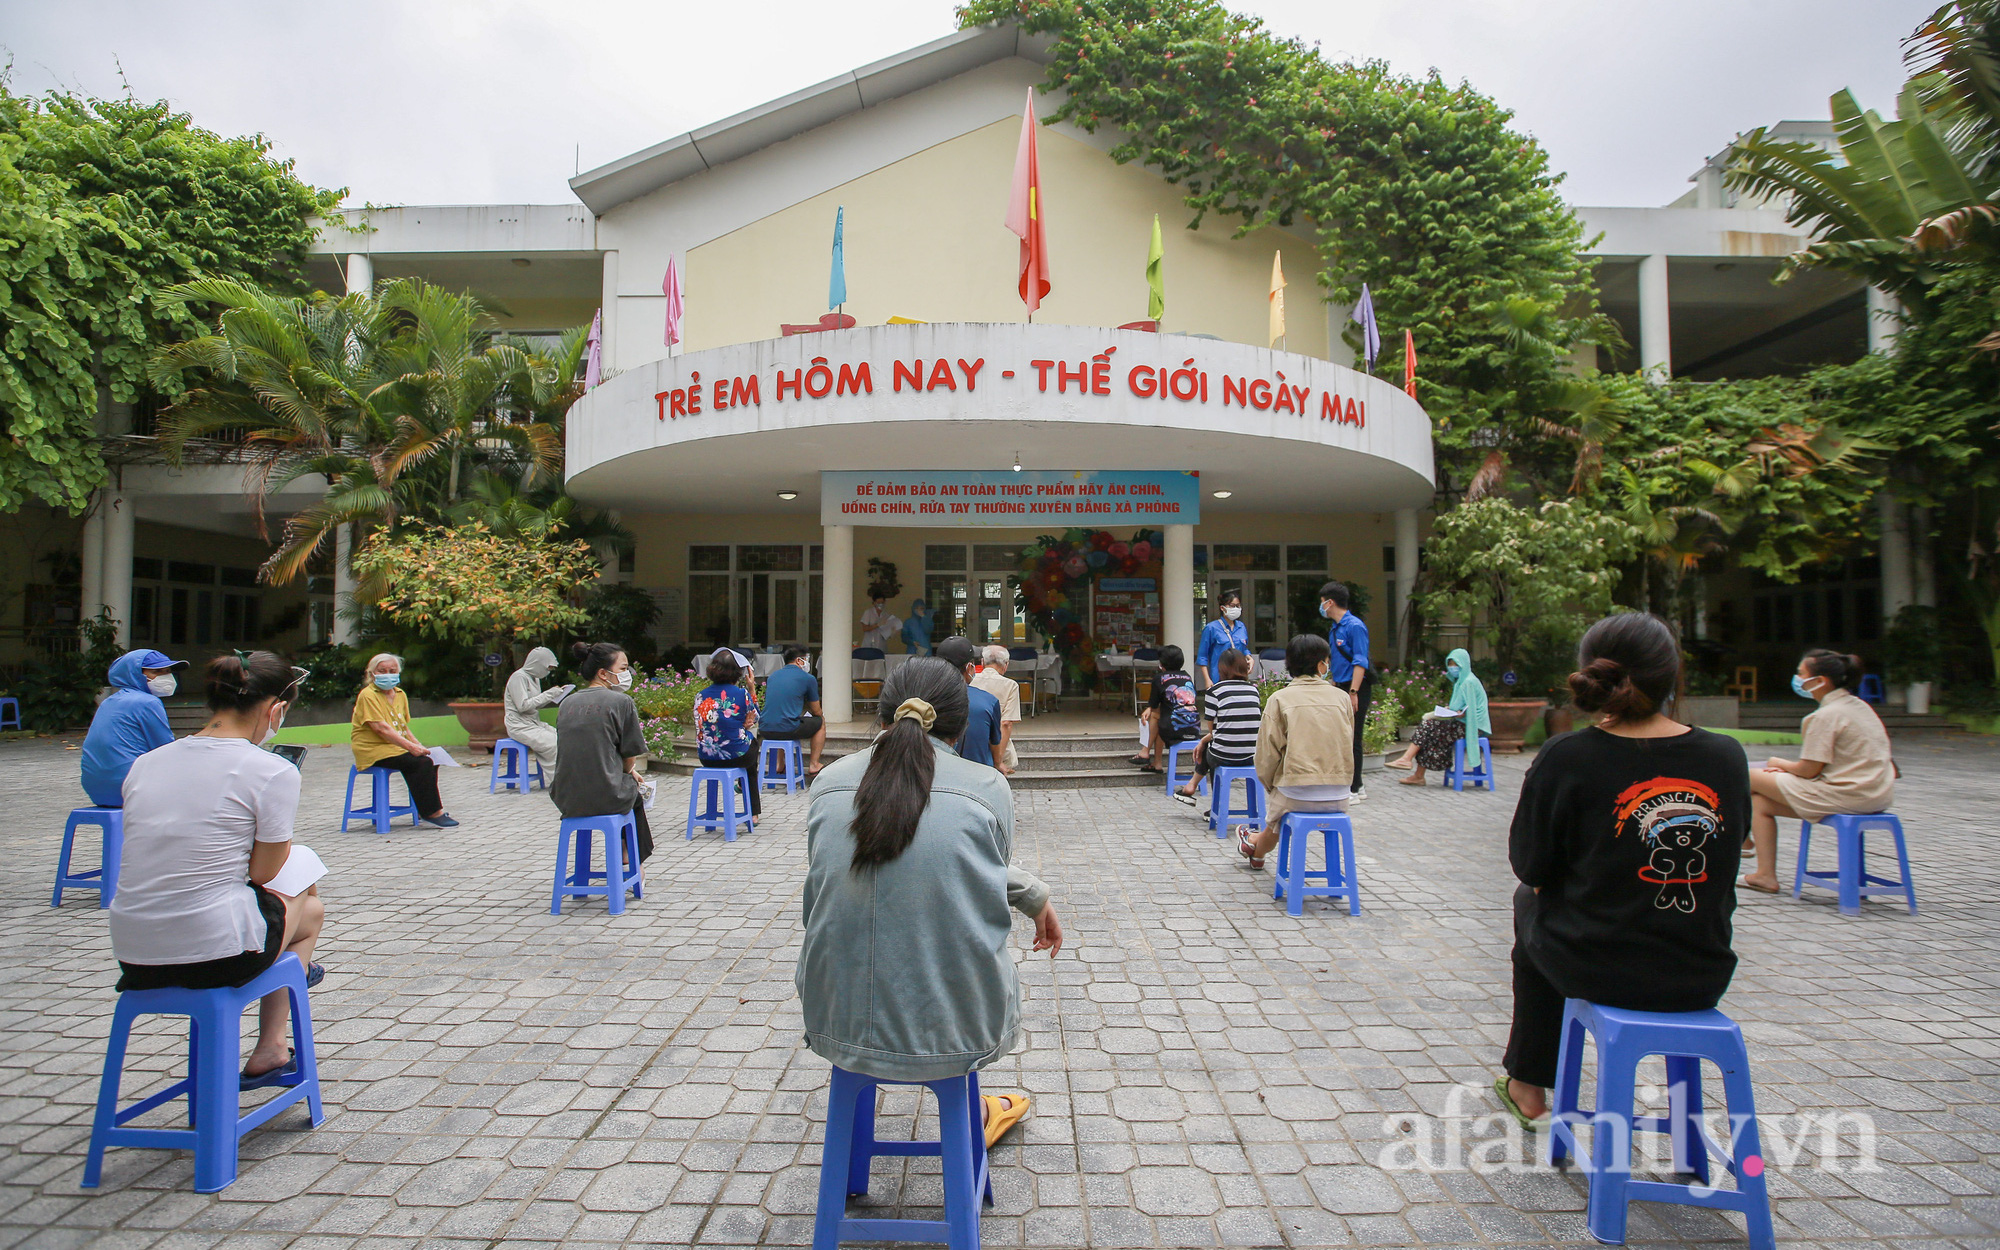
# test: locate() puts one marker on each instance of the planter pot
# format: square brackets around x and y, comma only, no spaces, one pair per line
[1711,711]
[484,723]
[1372,762]
[1559,720]
[1512,720]
[1408,733]
[1920,698]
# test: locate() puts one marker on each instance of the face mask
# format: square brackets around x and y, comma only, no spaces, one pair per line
[162,686]
[1799,687]
[271,733]
[1453,671]
[625,680]
[1230,614]
[1326,611]
[388,681]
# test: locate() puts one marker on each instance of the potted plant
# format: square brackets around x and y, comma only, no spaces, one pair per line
[1914,653]
[469,585]
[1522,581]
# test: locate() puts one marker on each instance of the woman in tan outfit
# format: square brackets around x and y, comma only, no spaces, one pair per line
[1844,764]
[1305,746]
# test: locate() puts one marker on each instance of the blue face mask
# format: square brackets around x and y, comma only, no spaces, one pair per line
[1453,671]
[388,681]
[1799,687]
[1326,611]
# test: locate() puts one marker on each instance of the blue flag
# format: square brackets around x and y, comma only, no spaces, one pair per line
[1371,335]
[836,287]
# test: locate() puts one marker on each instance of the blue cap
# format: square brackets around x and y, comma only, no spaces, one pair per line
[159,659]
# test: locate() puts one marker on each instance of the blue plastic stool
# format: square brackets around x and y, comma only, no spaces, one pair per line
[1850,879]
[793,767]
[10,713]
[1294,881]
[379,811]
[215,1028]
[1458,774]
[1220,811]
[1174,778]
[1870,690]
[728,815]
[621,861]
[1684,1039]
[104,877]
[515,776]
[851,1144]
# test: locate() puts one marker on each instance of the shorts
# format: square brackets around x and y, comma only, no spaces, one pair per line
[214,974]
[1170,737]
[802,732]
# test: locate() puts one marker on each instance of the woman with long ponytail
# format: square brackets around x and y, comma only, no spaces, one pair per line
[905,972]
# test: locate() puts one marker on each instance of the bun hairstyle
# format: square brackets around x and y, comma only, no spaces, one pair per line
[1844,671]
[1627,666]
[723,669]
[240,683]
[893,793]
[592,658]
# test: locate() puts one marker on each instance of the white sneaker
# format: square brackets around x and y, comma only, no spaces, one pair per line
[1356,796]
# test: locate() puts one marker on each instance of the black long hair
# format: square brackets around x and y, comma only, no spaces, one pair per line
[236,683]
[1627,666]
[896,788]
[593,657]
[1843,670]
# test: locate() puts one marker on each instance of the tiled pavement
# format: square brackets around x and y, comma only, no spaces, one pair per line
[1206,1071]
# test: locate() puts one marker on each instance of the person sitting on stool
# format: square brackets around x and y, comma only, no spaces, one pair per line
[1437,734]
[600,742]
[725,725]
[381,738]
[1304,756]
[791,706]
[130,722]
[1234,712]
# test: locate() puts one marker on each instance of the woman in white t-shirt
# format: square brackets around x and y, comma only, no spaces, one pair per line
[208,821]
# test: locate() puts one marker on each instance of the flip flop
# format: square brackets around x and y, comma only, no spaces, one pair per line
[1513,1108]
[1184,798]
[1243,847]
[276,1076]
[1747,884]
[1003,1111]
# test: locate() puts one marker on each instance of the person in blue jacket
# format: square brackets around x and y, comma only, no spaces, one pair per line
[917,630]
[1225,633]
[129,723]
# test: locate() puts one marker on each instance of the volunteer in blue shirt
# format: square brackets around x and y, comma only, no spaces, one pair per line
[791,706]
[1351,668]
[982,734]
[131,722]
[1226,633]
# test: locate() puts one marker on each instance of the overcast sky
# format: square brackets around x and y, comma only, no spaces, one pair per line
[496,101]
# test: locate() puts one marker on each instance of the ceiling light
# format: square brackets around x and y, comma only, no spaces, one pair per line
[522,261]
[1017,462]
[788,494]
[1224,494]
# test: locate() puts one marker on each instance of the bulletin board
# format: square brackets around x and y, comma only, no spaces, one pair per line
[1130,618]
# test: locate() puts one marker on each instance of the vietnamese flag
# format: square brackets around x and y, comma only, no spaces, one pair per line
[1024,213]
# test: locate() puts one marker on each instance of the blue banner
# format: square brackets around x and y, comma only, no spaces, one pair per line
[1109,498]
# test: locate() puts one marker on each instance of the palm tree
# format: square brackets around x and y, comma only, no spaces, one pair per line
[1540,344]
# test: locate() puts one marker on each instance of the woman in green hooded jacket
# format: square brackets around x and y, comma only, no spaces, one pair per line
[1433,747]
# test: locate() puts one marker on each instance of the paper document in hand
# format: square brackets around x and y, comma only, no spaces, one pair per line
[1441,711]
[303,869]
[442,758]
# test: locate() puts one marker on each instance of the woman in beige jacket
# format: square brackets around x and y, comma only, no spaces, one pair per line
[1305,746]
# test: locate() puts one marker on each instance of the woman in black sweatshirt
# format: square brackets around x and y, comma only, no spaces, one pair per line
[1626,842]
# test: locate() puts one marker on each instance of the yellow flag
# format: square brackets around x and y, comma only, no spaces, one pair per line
[1277,298]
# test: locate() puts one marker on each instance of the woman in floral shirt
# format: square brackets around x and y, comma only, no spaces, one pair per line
[725,724]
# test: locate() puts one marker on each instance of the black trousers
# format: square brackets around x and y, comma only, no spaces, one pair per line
[1535,1041]
[422,775]
[645,832]
[1360,720]
[808,726]
[748,763]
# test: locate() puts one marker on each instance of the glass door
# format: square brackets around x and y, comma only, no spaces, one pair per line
[770,608]
[997,615]
[752,619]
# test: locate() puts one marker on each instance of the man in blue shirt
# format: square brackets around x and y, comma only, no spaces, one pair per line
[129,723]
[791,706]
[1348,636]
[1226,633]
[982,721]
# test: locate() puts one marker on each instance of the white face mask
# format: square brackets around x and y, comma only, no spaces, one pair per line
[162,685]
[625,680]
[1230,614]
[277,722]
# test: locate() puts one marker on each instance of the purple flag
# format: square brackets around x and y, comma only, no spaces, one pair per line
[1371,335]
[670,286]
[593,363]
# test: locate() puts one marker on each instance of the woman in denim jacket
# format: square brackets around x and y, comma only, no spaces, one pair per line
[904,973]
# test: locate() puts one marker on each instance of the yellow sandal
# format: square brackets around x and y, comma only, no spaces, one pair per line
[1003,1111]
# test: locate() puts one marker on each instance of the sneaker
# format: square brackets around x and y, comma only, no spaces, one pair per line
[1356,795]
[442,820]
[1184,798]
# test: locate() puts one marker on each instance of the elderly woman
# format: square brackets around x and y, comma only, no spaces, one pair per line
[381,737]
[904,972]
[1844,762]
[1438,733]
[1305,746]
[525,701]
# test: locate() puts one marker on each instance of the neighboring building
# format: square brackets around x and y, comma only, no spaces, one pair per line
[735,532]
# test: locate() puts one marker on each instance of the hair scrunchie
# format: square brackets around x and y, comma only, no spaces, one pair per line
[917,710]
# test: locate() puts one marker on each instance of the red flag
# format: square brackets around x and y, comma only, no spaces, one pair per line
[1410,364]
[1024,213]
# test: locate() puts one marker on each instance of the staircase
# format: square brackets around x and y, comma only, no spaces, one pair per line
[1054,762]
[1785,717]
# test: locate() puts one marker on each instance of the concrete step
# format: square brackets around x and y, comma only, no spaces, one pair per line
[1894,719]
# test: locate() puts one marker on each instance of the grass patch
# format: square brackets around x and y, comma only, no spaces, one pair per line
[1760,737]
[432,731]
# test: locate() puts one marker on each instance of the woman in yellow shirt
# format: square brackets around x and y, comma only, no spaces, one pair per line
[381,736]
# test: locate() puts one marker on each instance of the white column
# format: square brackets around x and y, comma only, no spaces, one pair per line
[118,523]
[836,660]
[1177,590]
[1923,559]
[92,597]
[1656,351]
[1894,550]
[343,584]
[608,301]
[1406,580]
[1882,324]
[360,273]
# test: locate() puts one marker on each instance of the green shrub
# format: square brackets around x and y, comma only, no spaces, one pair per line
[666,709]
[61,693]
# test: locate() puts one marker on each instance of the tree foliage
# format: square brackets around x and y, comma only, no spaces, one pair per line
[104,205]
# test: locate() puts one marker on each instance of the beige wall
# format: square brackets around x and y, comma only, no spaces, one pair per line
[924,239]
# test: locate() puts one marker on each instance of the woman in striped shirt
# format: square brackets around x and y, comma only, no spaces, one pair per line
[1233,712]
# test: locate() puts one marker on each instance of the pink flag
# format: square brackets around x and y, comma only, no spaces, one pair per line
[671,288]
[1024,213]
[593,361]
